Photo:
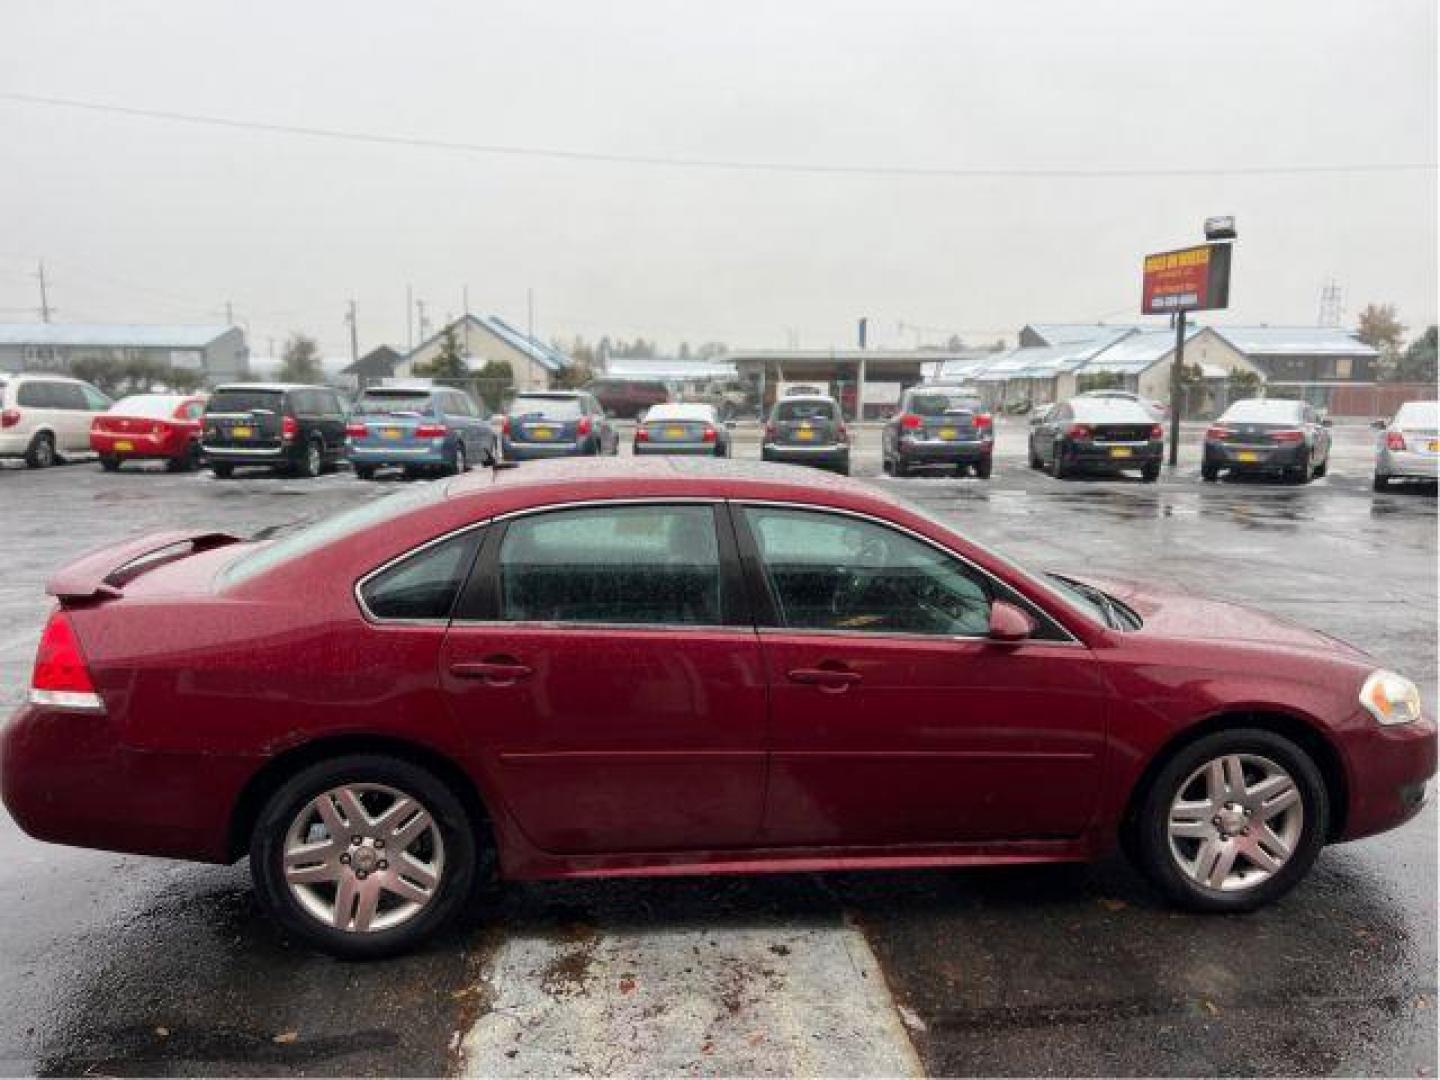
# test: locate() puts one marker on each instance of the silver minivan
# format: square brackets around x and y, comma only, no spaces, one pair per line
[46,418]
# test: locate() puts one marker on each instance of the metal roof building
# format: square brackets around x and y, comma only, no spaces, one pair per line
[218,352]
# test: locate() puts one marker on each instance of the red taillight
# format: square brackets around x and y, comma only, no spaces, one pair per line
[841,435]
[641,435]
[1218,432]
[289,427]
[61,677]
[1078,431]
[1394,440]
[356,431]
[1287,436]
[583,427]
[1156,431]
[431,431]
[709,435]
[910,420]
[9,418]
[771,431]
[504,425]
[982,421]
[98,424]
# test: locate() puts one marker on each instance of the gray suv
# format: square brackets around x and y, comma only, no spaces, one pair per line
[807,429]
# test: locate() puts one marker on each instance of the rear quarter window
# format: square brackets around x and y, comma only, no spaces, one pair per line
[425,584]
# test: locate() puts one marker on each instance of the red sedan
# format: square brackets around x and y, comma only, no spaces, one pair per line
[163,427]
[679,668]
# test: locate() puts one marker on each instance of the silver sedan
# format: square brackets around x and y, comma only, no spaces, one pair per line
[1409,446]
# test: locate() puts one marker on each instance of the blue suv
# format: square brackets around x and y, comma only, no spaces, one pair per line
[421,429]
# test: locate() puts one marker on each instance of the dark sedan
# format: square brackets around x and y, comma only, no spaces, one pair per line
[938,427]
[1268,435]
[1093,434]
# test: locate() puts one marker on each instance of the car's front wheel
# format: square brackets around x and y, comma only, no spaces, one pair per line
[1233,821]
[363,856]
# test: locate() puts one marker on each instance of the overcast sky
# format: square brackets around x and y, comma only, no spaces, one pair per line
[145,220]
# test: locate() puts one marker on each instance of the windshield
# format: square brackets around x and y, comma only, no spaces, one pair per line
[242,400]
[545,408]
[394,402]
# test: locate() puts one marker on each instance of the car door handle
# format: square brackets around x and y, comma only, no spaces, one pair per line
[829,679]
[497,672]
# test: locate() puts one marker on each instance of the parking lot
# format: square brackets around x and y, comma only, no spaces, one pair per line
[120,965]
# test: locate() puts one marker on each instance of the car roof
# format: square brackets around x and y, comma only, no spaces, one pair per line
[550,393]
[1107,408]
[270,387]
[1261,408]
[790,399]
[44,376]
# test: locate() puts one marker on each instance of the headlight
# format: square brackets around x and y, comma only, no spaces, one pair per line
[1390,698]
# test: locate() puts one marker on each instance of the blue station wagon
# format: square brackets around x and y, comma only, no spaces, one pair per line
[420,429]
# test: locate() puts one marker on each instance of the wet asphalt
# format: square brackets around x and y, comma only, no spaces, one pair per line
[118,965]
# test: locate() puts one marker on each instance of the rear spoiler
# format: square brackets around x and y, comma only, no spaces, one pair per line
[103,574]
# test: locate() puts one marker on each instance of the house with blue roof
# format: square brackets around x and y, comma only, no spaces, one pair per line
[486,338]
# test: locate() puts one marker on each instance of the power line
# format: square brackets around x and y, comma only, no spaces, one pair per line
[729,165]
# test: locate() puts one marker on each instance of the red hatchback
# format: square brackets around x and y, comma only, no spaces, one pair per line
[163,427]
[676,667]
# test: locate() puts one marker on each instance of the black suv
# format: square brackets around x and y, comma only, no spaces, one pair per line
[297,429]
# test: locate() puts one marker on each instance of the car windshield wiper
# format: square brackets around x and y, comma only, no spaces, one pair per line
[1109,610]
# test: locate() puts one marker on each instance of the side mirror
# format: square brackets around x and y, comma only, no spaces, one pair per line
[1008,623]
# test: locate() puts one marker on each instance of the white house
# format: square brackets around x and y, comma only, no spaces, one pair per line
[483,338]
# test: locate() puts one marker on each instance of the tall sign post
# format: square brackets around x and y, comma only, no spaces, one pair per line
[1189,279]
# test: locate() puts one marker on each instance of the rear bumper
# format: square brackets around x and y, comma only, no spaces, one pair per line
[828,456]
[945,452]
[66,779]
[1104,455]
[248,455]
[400,455]
[535,451]
[1226,456]
[141,446]
[1406,464]
[687,449]
[1391,774]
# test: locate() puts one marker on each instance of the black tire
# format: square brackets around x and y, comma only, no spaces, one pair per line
[1322,468]
[40,454]
[901,468]
[458,465]
[364,472]
[844,467]
[1381,483]
[109,462]
[1151,840]
[983,468]
[312,461]
[457,832]
[1209,472]
[1301,473]
[1057,465]
[222,470]
[1150,473]
[1036,461]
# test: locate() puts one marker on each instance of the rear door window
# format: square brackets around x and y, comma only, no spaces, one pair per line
[547,408]
[36,394]
[635,565]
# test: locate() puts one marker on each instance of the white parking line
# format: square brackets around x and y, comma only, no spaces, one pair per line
[726,1001]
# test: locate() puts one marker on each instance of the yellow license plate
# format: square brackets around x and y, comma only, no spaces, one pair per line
[1433,446]
[122,445]
[1247,455]
[674,433]
[1120,451]
[805,433]
[242,432]
[948,433]
[543,432]
[391,433]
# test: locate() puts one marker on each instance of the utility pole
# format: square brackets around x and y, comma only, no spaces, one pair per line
[229,314]
[409,318]
[1177,366]
[421,324]
[354,333]
[44,296]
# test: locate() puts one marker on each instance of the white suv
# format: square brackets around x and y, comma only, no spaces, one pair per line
[46,418]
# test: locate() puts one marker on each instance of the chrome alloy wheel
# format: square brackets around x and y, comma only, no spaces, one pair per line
[363,858]
[1235,822]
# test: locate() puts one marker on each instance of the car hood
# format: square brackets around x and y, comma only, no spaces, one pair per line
[1177,612]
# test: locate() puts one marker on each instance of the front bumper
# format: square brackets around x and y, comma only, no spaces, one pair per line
[1407,464]
[1390,774]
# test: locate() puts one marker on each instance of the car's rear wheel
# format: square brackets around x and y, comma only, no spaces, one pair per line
[1057,464]
[222,470]
[1381,482]
[363,856]
[1150,473]
[312,460]
[983,468]
[109,462]
[41,452]
[1233,821]
[364,472]
[902,467]
[1209,472]
[458,464]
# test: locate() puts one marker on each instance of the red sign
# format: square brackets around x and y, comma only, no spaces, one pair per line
[1191,279]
